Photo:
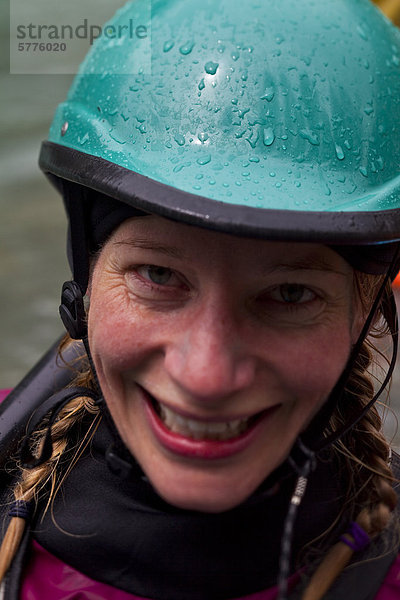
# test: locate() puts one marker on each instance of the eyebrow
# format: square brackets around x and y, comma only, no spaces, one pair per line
[145,244]
[311,263]
[308,263]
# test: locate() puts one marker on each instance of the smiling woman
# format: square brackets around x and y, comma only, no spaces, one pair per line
[234,225]
[261,342]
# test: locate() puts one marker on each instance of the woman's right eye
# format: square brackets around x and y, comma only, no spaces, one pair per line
[156,281]
[157,275]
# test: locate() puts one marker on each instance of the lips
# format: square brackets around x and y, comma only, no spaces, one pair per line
[195,438]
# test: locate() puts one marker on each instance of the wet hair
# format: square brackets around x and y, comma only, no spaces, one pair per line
[363,453]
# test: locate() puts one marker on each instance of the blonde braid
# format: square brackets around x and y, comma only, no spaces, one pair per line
[33,481]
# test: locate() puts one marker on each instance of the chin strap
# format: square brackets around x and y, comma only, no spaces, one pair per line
[303,454]
[313,438]
[303,472]
[73,315]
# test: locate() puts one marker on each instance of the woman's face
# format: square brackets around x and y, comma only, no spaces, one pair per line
[213,352]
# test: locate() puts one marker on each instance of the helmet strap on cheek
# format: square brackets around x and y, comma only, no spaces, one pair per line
[303,455]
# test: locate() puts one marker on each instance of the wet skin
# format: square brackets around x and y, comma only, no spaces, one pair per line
[216,328]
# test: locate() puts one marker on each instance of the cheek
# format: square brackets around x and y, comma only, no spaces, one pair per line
[119,334]
[315,362]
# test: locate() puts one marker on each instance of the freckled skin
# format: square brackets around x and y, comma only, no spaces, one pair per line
[217,340]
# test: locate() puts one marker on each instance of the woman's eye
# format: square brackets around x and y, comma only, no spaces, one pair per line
[289,295]
[157,275]
[290,303]
[292,293]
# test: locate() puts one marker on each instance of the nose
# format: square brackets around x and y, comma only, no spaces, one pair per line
[210,359]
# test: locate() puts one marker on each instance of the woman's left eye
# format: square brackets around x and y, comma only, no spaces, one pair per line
[292,293]
[157,275]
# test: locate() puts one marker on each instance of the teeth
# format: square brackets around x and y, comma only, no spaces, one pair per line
[199,430]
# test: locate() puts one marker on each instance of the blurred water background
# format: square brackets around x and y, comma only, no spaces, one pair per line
[32,223]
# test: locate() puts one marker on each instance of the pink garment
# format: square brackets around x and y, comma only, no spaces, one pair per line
[48,578]
[390,589]
[4,394]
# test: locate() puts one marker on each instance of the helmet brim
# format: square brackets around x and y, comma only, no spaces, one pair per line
[144,193]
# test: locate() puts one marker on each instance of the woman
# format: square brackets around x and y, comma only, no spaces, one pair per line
[234,217]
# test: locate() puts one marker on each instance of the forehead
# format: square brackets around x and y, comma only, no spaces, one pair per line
[194,244]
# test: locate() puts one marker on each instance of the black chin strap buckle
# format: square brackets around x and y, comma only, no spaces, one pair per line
[72,310]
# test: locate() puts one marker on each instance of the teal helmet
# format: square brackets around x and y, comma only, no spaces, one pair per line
[277,119]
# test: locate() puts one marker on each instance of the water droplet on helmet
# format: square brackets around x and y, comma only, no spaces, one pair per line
[204,160]
[268,95]
[339,152]
[363,171]
[180,140]
[269,136]
[361,32]
[242,112]
[203,137]
[84,139]
[309,136]
[211,67]
[369,108]
[201,85]
[168,45]
[186,48]
[64,128]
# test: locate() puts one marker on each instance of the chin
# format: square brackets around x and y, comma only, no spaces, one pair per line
[208,493]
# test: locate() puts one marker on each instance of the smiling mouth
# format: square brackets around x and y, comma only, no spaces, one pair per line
[203,430]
